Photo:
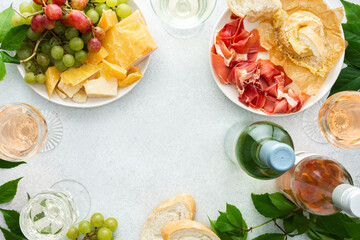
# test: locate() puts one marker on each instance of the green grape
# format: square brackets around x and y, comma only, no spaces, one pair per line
[111,224]
[25,7]
[111,3]
[77,64]
[16,20]
[76,44]
[30,78]
[68,49]
[59,28]
[43,69]
[57,52]
[26,19]
[30,67]
[41,78]
[85,227]
[121,2]
[73,233]
[100,7]
[68,60]
[45,47]
[81,56]
[104,234]
[32,35]
[86,37]
[60,65]
[24,53]
[98,1]
[71,33]
[93,15]
[43,60]
[28,44]
[54,42]
[97,219]
[36,7]
[123,10]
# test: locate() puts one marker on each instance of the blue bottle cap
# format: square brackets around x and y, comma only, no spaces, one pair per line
[278,156]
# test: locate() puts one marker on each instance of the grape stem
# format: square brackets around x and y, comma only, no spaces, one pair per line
[54,35]
[30,15]
[36,48]
[89,236]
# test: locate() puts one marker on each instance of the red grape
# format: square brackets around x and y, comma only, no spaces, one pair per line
[36,24]
[78,20]
[87,29]
[53,12]
[47,23]
[94,45]
[79,4]
[59,2]
[99,33]
[65,20]
[39,2]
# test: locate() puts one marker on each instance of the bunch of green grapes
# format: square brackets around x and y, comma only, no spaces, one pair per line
[96,7]
[96,229]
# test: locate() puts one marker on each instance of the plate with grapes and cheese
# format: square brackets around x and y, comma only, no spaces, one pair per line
[86,60]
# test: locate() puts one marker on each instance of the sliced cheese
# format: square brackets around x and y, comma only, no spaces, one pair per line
[108,19]
[68,89]
[129,41]
[101,87]
[74,76]
[52,79]
[80,96]
[61,93]
[110,70]
[96,58]
[133,76]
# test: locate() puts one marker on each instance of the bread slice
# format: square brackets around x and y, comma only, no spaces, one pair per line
[187,229]
[254,9]
[177,208]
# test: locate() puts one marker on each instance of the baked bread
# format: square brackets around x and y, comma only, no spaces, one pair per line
[178,208]
[187,229]
[254,9]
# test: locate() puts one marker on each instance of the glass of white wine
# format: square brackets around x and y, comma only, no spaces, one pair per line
[183,18]
[337,122]
[25,131]
[50,214]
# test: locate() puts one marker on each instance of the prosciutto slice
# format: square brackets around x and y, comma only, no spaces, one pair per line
[260,83]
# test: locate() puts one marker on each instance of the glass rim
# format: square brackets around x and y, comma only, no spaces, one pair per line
[203,18]
[41,139]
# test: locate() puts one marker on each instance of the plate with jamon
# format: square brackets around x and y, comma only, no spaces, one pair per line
[277,57]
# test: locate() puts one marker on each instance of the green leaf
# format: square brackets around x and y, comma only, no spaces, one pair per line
[352,11]
[5,20]
[8,190]
[351,31]
[7,165]
[12,221]
[338,225]
[270,236]
[223,224]
[2,69]
[28,197]
[9,235]
[315,232]
[289,225]
[282,203]
[349,79]
[14,38]
[9,59]
[301,223]
[352,53]
[234,216]
[265,207]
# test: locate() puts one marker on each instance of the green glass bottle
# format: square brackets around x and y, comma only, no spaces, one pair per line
[264,150]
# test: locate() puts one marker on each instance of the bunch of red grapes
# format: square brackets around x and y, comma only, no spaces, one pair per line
[61,33]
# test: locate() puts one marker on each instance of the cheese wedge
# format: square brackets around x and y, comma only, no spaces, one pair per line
[52,79]
[133,76]
[68,89]
[96,58]
[110,70]
[129,41]
[101,87]
[74,76]
[108,19]
[80,96]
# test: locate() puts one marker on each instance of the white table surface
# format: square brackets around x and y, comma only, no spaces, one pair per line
[162,139]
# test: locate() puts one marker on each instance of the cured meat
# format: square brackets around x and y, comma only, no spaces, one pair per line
[261,84]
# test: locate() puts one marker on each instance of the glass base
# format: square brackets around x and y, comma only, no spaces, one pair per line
[182,33]
[79,194]
[311,124]
[55,130]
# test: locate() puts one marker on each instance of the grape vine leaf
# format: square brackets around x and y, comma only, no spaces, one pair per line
[351,31]
[8,190]
[281,202]
[14,38]
[2,69]
[270,236]
[235,217]
[352,53]
[349,79]
[9,59]
[9,235]
[266,207]
[352,11]
[223,224]
[5,20]
[12,221]
[7,165]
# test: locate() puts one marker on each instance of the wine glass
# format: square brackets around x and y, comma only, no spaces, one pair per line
[25,131]
[50,214]
[183,18]
[337,121]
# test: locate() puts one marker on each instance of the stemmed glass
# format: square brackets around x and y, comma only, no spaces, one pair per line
[183,18]
[337,121]
[25,131]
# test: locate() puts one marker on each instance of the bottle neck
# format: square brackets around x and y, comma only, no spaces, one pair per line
[278,156]
[347,198]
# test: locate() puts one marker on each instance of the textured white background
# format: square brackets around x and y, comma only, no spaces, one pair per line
[162,139]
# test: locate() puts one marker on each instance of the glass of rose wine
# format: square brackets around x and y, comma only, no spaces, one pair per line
[337,121]
[24,131]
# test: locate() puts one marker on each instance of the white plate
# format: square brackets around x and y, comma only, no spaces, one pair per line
[231,91]
[91,102]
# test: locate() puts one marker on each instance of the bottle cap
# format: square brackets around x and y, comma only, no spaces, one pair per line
[278,156]
[347,197]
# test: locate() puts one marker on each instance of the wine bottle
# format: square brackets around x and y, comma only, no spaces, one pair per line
[264,150]
[320,186]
